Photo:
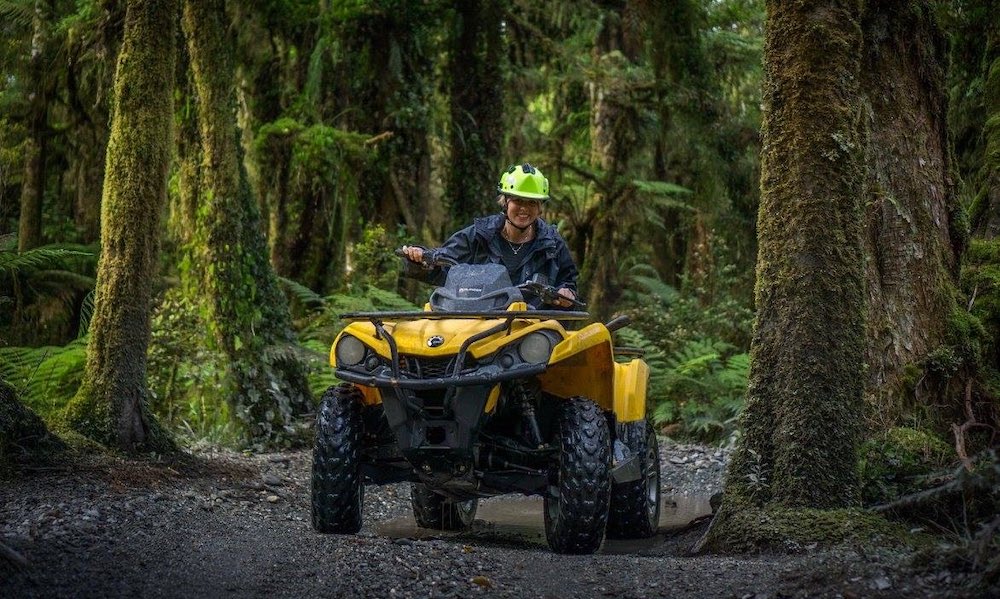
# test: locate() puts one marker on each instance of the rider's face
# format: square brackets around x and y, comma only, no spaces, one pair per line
[523,212]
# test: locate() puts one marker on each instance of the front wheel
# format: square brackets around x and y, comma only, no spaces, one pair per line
[635,505]
[576,507]
[437,512]
[337,491]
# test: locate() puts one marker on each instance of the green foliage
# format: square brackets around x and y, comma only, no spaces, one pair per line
[43,291]
[373,261]
[187,376]
[705,383]
[45,378]
[899,462]
[325,325]
[674,317]
[696,351]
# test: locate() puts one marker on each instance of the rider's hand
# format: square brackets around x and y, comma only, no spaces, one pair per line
[413,253]
[565,303]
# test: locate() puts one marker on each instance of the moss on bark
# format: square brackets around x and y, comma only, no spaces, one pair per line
[745,527]
[801,423]
[110,406]
[858,250]
[22,432]
[247,313]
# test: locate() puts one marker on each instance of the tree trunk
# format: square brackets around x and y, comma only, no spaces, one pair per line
[248,313]
[33,181]
[801,425]
[854,110]
[911,244]
[612,143]
[89,174]
[476,67]
[110,406]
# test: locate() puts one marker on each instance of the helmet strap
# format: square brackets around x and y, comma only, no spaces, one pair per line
[524,228]
[506,202]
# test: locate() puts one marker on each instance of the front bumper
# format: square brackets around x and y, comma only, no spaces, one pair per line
[488,375]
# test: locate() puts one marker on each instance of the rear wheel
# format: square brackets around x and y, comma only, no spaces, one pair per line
[438,512]
[576,507]
[635,505]
[337,492]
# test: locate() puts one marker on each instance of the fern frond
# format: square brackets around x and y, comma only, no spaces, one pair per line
[46,377]
[660,291]
[37,259]
[86,313]
[305,295]
[20,13]
[382,299]
[62,279]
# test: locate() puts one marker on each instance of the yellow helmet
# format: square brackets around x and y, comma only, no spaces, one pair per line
[524,181]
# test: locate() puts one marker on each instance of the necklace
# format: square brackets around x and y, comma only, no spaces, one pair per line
[511,243]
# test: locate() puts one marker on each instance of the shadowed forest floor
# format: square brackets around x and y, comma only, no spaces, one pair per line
[228,524]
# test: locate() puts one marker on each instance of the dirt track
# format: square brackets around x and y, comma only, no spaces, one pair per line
[225,524]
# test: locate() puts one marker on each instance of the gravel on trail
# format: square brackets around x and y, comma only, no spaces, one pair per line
[227,524]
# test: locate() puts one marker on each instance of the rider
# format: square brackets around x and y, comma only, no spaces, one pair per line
[517,238]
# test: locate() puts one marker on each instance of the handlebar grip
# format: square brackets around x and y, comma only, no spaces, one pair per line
[618,322]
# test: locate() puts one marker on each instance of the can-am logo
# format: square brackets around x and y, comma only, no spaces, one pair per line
[435,341]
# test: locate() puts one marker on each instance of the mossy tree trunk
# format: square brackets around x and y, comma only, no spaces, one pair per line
[613,139]
[110,406]
[476,80]
[857,250]
[247,313]
[912,239]
[802,421]
[35,150]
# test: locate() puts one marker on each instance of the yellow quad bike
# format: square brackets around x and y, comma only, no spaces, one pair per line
[479,396]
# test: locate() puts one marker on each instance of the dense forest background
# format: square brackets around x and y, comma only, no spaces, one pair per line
[365,125]
[301,142]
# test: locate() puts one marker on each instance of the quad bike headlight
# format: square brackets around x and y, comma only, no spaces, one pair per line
[350,351]
[535,348]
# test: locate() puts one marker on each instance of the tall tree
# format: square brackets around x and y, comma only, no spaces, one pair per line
[476,86]
[857,248]
[248,314]
[613,137]
[110,405]
[41,89]
[802,421]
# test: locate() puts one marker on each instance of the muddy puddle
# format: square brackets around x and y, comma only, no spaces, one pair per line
[518,520]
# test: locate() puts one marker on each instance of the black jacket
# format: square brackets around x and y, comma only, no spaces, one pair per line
[480,244]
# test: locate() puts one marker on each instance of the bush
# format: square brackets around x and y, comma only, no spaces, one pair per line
[899,462]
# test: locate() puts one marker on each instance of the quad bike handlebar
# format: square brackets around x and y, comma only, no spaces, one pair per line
[549,294]
[431,259]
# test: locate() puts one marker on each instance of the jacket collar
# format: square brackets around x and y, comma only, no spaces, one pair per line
[488,227]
